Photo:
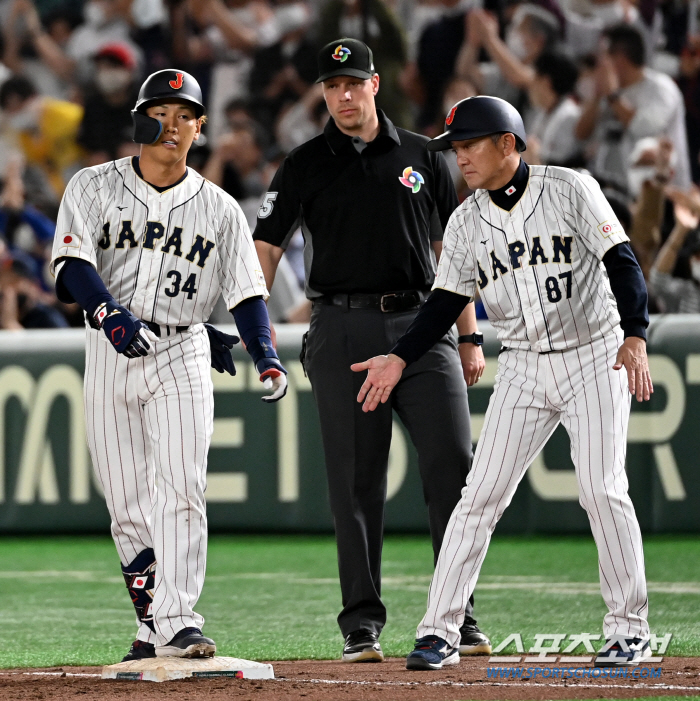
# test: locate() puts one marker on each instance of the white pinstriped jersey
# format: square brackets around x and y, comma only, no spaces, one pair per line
[165,256]
[538,268]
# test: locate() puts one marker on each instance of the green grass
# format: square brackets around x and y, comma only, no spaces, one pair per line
[271,597]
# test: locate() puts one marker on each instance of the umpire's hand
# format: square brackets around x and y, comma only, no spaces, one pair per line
[384,374]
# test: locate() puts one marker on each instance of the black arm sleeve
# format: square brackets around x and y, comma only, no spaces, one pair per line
[629,288]
[432,322]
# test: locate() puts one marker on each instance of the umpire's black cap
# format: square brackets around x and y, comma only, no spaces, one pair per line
[170,83]
[480,116]
[345,57]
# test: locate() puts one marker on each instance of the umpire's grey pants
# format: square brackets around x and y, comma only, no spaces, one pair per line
[430,399]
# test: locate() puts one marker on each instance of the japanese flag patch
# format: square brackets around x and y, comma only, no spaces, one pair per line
[608,228]
[139,581]
[70,239]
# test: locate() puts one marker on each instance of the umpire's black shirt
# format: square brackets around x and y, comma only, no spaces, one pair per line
[368,212]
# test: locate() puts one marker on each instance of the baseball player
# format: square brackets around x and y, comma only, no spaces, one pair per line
[537,242]
[146,246]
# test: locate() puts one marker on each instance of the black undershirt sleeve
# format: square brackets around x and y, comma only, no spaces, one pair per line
[432,322]
[630,290]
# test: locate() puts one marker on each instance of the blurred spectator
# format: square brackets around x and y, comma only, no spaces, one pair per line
[375,23]
[45,129]
[283,72]
[631,102]
[551,138]
[45,65]
[438,48]
[587,20]
[689,82]
[510,70]
[237,165]
[302,121]
[23,229]
[66,47]
[5,72]
[112,95]
[23,304]
[677,295]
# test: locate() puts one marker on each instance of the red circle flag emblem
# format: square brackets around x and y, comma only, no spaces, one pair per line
[451,116]
[67,239]
[177,83]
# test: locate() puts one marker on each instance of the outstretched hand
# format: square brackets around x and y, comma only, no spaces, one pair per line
[633,355]
[384,373]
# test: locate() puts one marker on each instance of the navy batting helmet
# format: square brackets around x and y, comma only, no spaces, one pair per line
[480,116]
[169,83]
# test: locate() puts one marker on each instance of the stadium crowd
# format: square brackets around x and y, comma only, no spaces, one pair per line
[610,86]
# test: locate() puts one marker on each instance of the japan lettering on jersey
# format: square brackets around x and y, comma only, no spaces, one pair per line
[534,265]
[165,256]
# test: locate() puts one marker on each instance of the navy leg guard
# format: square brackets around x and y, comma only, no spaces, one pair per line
[139,576]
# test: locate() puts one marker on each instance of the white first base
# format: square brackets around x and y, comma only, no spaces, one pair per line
[163,669]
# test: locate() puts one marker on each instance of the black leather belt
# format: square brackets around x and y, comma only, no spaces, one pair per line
[386,302]
[162,331]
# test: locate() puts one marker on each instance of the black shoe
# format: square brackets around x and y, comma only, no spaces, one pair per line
[473,641]
[189,642]
[140,651]
[362,646]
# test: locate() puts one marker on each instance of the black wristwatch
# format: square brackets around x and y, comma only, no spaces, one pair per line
[476,338]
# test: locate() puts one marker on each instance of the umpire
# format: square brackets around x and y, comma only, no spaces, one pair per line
[373,202]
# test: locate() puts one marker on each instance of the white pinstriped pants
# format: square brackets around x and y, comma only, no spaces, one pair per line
[149,425]
[533,393]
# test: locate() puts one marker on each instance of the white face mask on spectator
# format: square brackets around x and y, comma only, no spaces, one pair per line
[94,14]
[112,80]
[695,268]
[636,177]
[25,120]
[514,41]
[586,88]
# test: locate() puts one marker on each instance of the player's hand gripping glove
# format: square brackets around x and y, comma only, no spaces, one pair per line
[129,335]
[221,344]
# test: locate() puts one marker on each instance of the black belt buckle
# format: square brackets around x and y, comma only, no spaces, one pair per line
[382,302]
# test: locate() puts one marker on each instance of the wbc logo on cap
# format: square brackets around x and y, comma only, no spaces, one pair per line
[341,53]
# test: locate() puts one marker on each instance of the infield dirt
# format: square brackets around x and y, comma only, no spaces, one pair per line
[332,681]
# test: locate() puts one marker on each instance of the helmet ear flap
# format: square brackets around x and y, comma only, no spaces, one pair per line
[146,129]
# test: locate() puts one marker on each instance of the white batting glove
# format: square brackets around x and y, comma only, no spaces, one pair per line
[274,377]
[152,338]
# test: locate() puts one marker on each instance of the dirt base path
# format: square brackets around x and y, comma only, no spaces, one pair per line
[334,681]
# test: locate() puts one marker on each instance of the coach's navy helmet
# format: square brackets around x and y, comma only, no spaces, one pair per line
[480,116]
[345,57]
[169,83]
